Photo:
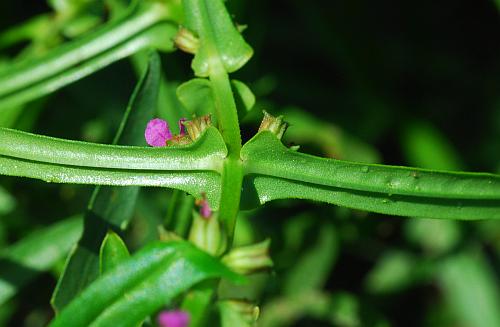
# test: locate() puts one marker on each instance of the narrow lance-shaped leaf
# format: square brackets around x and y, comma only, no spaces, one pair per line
[109,207]
[140,286]
[147,25]
[205,154]
[22,262]
[278,172]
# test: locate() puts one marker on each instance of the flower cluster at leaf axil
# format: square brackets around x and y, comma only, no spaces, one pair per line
[158,133]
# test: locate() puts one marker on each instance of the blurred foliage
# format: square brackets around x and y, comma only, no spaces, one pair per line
[383,81]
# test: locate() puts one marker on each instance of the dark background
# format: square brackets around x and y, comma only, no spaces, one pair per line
[374,69]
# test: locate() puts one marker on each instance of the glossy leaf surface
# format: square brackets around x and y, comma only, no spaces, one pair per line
[218,34]
[282,173]
[140,286]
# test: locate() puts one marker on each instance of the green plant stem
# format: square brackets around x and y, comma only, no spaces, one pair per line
[232,172]
[227,116]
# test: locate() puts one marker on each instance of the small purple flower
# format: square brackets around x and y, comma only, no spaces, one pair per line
[182,128]
[173,318]
[205,210]
[157,132]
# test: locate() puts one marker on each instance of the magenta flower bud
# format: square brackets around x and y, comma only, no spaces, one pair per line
[157,132]
[182,128]
[173,318]
[205,210]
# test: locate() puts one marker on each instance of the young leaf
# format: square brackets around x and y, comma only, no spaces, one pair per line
[109,207]
[113,252]
[220,38]
[141,285]
[22,262]
[196,96]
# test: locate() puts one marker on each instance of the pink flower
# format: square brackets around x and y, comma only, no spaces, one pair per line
[205,210]
[157,132]
[173,318]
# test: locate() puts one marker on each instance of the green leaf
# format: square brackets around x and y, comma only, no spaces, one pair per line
[393,272]
[237,313]
[424,146]
[113,252]
[285,311]
[218,34]
[204,154]
[244,98]
[22,262]
[142,285]
[7,201]
[196,96]
[434,236]
[25,31]
[334,142]
[277,172]
[147,26]
[109,207]
[471,290]
[313,267]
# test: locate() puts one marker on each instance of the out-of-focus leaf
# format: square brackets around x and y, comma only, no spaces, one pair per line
[345,310]
[113,252]
[313,267]
[393,272]
[197,303]
[471,290]
[141,285]
[7,201]
[425,147]
[237,313]
[284,311]
[333,141]
[22,262]
[434,236]
[28,30]
[147,26]
[110,207]
[10,115]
